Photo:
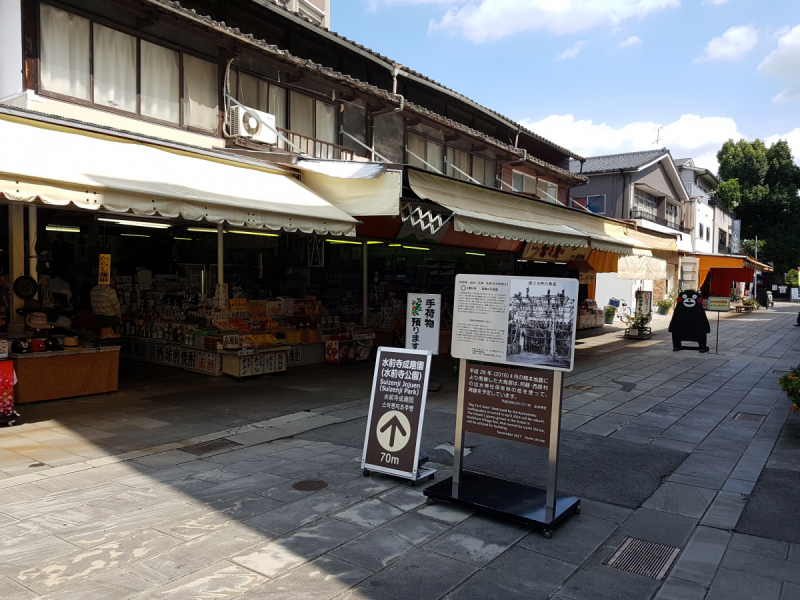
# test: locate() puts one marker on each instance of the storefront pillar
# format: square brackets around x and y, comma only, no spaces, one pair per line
[33,257]
[364,284]
[220,254]
[16,258]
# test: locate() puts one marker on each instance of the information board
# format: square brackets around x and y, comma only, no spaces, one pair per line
[510,404]
[423,320]
[719,304]
[523,321]
[396,412]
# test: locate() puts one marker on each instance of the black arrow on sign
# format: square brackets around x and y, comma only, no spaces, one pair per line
[395,424]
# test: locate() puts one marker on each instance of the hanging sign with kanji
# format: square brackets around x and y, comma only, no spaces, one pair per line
[104,270]
[423,319]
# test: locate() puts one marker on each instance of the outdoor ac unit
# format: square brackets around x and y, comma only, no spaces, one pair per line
[244,122]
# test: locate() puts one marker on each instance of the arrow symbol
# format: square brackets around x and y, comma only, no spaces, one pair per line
[395,424]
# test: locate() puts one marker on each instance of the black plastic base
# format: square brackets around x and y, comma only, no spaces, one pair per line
[505,499]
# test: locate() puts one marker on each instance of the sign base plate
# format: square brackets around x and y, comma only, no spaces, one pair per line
[505,499]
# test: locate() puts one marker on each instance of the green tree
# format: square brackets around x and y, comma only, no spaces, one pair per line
[745,161]
[792,278]
[729,194]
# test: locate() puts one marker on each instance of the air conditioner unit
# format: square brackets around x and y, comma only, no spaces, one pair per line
[244,122]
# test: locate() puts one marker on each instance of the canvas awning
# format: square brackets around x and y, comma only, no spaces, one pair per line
[60,165]
[716,261]
[353,187]
[641,267]
[488,212]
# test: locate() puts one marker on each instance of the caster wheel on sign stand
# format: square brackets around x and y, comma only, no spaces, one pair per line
[366,473]
[411,483]
[430,501]
[576,510]
[547,533]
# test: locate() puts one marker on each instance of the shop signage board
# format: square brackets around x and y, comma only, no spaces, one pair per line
[718,304]
[104,270]
[736,236]
[555,252]
[522,321]
[511,400]
[423,320]
[794,297]
[396,413]
[588,277]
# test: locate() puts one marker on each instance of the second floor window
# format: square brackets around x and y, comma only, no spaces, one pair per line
[644,202]
[97,65]
[527,184]
[427,150]
[700,230]
[595,204]
[672,213]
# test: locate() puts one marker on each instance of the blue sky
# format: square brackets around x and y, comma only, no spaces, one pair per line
[600,76]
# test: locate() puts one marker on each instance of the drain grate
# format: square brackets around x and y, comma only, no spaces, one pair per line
[579,387]
[749,417]
[643,558]
[210,446]
[310,485]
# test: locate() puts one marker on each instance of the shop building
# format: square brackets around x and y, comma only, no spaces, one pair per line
[263,197]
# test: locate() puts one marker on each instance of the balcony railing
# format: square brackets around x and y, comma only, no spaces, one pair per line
[722,249]
[640,214]
[314,147]
[695,191]
[719,206]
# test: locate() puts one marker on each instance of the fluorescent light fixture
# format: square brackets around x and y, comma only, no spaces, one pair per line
[370,243]
[185,239]
[127,223]
[253,233]
[415,248]
[134,235]
[561,263]
[541,262]
[474,253]
[63,228]
[343,242]
[201,229]
[521,260]
[395,245]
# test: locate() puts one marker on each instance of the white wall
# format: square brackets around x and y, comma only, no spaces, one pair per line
[703,214]
[611,286]
[10,47]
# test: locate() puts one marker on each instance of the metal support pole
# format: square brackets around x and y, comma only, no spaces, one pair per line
[458,451]
[365,284]
[716,348]
[33,257]
[16,259]
[220,254]
[555,437]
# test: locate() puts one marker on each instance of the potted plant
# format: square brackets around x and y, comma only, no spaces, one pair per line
[664,306]
[609,312]
[790,382]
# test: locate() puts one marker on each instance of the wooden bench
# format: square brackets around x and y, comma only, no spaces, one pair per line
[741,308]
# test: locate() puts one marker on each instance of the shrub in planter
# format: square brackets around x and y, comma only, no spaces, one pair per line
[790,382]
[664,306]
[609,312]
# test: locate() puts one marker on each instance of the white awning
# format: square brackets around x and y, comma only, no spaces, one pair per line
[641,267]
[357,196]
[58,165]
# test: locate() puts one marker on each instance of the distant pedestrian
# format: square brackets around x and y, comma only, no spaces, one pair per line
[798,320]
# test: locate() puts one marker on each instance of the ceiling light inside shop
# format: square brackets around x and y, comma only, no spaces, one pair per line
[134,235]
[540,262]
[561,263]
[522,260]
[127,223]
[185,239]
[474,253]
[63,228]
[201,229]
[343,242]
[253,233]
[395,245]
[415,248]
[369,243]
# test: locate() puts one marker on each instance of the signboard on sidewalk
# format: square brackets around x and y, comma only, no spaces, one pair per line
[510,404]
[523,321]
[396,412]
[719,304]
[423,319]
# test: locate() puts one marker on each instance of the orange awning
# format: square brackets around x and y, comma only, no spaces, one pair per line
[604,262]
[716,262]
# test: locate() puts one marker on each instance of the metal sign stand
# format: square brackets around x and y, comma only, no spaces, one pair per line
[502,498]
[716,347]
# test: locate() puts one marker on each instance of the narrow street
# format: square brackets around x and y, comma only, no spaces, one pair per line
[184,486]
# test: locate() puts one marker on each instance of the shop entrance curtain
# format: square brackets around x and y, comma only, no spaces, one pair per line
[59,165]
[722,279]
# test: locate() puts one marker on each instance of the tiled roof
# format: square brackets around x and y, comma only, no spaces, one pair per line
[344,79]
[615,162]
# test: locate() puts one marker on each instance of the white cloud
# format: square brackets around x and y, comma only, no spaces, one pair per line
[793,138]
[715,2]
[488,20]
[571,52]
[634,40]
[690,136]
[734,44]
[784,63]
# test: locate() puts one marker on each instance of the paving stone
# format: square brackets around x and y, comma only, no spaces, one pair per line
[404,498]
[370,513]
[711,484]
[685,500]
[56,502]
[674,444]
[366,486]
[605,583]
[699,560]
[301,512]
[724,512]
[219,581]
[756,564]
[244,486]
[247,507]
[11,590]
[189,529]
[33,552]
[447,513]
[734,585]
[739,486]
[758,545]
[680,589]
[573,541]
[791,591]
[660,527]
[605,511]
[196,554]
[376,549]
[118,584]
[321,579]
[421,575]
[304,544]
[517,573]
[478,540]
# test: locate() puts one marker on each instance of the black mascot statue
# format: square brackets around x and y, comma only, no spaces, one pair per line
[689,322]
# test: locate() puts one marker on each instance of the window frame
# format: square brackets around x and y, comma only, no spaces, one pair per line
[646,196]
[667,207]
[574,205]
[139,36]
[427,139]
[535,193]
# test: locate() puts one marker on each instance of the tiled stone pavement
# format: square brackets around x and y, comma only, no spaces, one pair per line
[113,507]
